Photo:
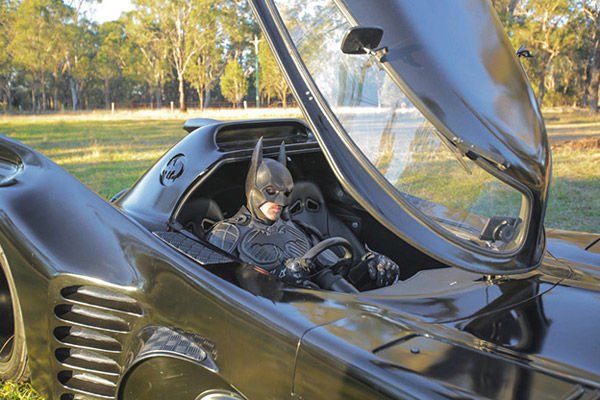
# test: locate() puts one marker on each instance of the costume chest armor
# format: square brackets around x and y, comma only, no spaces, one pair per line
[270,245]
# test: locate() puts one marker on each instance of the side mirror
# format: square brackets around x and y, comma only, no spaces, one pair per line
[361,40]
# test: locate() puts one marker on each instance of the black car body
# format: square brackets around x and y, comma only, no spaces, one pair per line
[127,300]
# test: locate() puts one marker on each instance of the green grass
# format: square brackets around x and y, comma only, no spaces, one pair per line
[109,153]
[572,125]
[107,156]
[15,391]
[575,190]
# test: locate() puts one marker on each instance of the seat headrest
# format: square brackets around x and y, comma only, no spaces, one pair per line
[306,196]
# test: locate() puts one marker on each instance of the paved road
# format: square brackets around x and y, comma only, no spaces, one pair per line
[578,131]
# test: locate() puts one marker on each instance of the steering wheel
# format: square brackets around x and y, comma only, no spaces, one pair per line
[325,277]
[327,244]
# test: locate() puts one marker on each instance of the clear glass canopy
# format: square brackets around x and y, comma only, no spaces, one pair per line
[449,190]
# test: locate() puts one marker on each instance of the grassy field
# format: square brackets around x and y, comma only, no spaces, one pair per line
[108,152]
[14,391]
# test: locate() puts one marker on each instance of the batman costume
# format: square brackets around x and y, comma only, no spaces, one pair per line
[276,243]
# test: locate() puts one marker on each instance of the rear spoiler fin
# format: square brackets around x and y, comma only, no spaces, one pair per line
[194,123]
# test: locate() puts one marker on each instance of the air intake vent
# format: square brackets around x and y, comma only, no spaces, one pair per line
[88,383]
[92,322]
[91,317]
[87,338]
[102,297]
[243,136]
[87,360]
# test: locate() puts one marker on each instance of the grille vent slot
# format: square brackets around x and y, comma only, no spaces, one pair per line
[87,338]
[88,383]
[103,298]
[91,323]
[86,316]
[87,360]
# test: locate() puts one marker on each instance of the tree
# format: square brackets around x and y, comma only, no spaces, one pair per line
[6,68]
[591,35]
[238,26]
[234,84]
[207,63]
[108,61]
[506,10]
[148,43]
[545,26]
[174,24]
[273,83]
[37,32]
[79,67]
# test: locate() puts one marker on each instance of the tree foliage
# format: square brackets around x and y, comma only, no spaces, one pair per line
[273,83]
[234,83]
[6,61]
[54,57]
[207,63]
[563,37]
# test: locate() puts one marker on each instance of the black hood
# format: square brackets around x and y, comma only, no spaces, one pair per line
[267,180]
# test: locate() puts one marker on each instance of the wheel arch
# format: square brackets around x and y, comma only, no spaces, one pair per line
[173,361]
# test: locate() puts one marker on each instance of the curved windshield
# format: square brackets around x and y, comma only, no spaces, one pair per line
[430,175]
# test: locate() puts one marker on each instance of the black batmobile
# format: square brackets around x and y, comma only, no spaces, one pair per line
[423,141]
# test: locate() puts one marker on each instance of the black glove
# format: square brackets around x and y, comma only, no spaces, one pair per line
[380,270]
[296,272]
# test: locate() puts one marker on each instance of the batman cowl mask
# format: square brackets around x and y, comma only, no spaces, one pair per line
[267,180]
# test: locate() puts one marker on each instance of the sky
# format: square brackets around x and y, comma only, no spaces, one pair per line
[109,10]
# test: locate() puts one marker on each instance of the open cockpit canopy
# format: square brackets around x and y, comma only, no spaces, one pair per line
[434,130]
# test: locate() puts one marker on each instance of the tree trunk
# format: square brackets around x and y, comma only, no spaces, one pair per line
[182,106]
[33,100]
[591,93]
[593,88]
[544,65]
[283,97]
[158,95]
[56,107]
[8,94]
[207,98]
[201,98]
[74,86]
[541,87]
[43,97]
[106,93]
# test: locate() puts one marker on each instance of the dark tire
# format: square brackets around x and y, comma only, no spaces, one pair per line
[13,348]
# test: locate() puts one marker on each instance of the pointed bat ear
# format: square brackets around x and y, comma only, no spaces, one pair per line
[257,156]
[282,158]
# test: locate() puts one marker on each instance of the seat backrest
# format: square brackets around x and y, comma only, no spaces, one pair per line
[199,215]
[308,207]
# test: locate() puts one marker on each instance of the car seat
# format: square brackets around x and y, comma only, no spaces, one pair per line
[199,215]
[307,206]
